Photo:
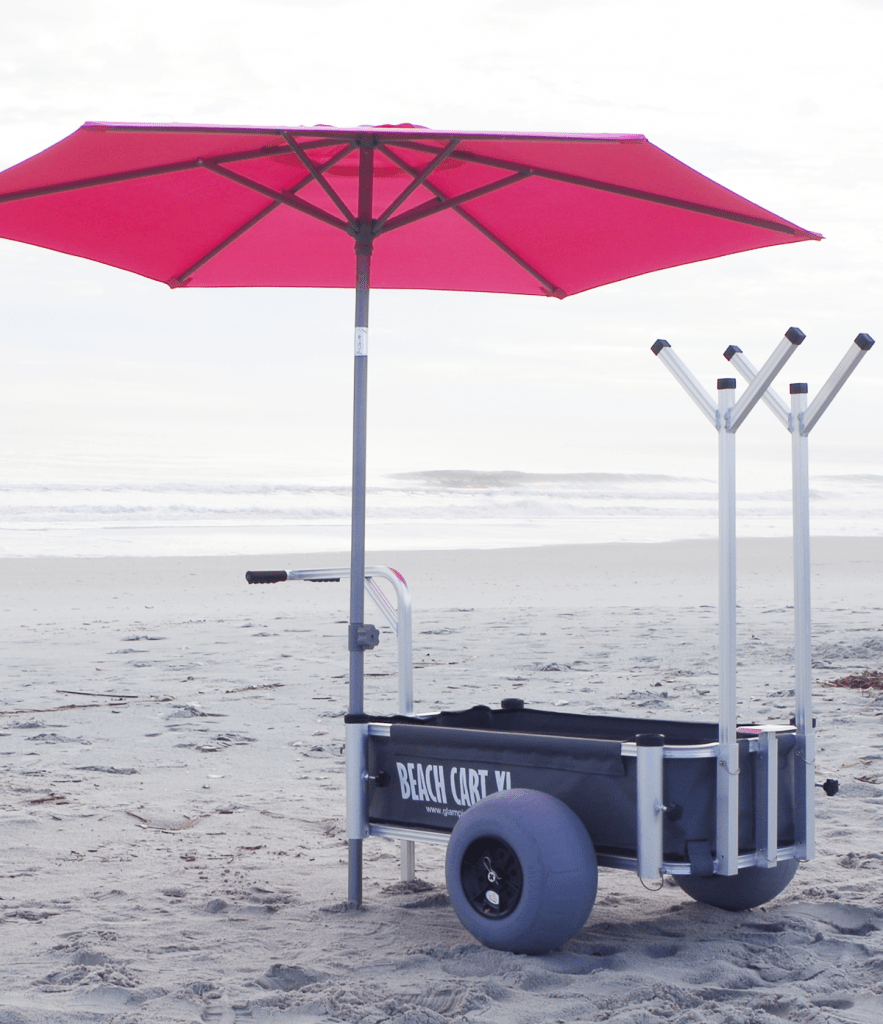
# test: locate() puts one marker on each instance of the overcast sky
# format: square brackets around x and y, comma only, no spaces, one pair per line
[778,100]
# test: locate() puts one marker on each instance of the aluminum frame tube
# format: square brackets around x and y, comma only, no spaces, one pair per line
[686,379]
[650,807]
[766,799]
[856,352]
[356,805]
[743,364]
[804,810]
[727,800]
[758,387]
[399,618]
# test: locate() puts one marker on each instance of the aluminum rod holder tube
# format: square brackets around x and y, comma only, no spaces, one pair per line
[735,356]
[728,750]
[766,799]
[765,375]
[804,753]
[686,379]
[857,351]
[650,806]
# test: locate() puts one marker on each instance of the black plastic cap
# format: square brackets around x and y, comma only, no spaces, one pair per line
[726,383]
[794,335]
[658,346]
[864,342]
[799,389]
[511,703]
[650,739]
[731,351]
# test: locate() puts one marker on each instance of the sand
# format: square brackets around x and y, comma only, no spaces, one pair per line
[171,789]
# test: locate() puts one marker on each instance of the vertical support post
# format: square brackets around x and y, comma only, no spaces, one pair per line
[651,749]
[805,750]
[766,799]
[356,766]
[728,750]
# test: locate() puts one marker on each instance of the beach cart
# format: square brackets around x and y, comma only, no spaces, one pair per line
[530,802]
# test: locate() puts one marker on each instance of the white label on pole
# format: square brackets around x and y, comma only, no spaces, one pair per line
[361,341]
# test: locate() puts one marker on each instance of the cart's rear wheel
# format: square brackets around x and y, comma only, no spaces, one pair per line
[521,871]
[750,888]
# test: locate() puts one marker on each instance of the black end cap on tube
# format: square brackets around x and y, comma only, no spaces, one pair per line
[658,346]
[794,335]
[732,351]
[726,383]
[864,342]
[650,739]
[799,389]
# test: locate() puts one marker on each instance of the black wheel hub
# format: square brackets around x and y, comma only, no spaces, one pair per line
[491,877]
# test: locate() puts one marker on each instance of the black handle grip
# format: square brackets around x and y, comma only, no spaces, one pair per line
[267,576]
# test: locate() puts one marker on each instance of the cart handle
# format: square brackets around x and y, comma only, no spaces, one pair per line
[266,576]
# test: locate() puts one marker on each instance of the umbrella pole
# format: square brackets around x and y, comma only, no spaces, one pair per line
[359,635]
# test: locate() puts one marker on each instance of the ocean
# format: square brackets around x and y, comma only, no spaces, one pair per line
[97,510]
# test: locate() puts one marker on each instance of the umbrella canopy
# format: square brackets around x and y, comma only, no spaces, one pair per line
[529,214]
[398,206]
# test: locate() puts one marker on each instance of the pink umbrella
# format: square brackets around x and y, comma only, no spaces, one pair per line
[404,206]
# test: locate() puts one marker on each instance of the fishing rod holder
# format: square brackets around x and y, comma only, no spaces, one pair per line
[726,416]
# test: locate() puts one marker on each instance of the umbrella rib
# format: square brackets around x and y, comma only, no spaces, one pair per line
[415,184]
[103,179]
[316,173]
[141,172]
[551,288]
[180,280]
[283,197]
[451,202]
[622,190]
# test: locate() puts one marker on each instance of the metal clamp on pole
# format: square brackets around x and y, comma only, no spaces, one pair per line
[363,636]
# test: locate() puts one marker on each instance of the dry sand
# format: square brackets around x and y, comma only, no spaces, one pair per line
[171,790]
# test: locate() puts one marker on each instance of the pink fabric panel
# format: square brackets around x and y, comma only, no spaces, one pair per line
[445,253]
[90,152]
[635,165]
[285,249]
[156,227]
[576,237]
